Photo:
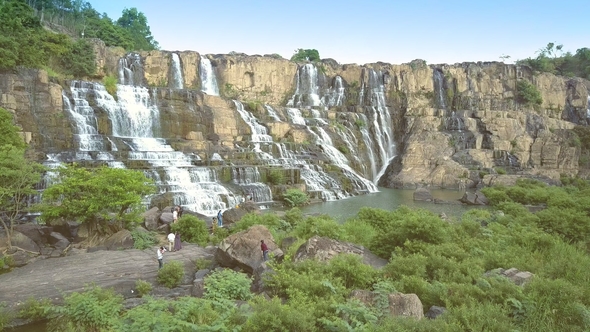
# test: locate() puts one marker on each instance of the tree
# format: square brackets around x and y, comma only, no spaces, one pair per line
[17,175]
[528,94]
[135,23]
[105,198]
[306,55]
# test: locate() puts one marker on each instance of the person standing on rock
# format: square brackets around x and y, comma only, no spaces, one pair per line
[180,211]
[175,215]
[219,219]
[264,249]
[177,243]
[161,252]
[171,238]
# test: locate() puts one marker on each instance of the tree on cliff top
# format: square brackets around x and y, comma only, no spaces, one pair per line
[17,175]
[106,198]
[135,23]
[306,55]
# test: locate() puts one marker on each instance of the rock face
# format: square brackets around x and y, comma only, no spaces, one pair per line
[233,215]
[323,249]
[450,124]
[242,249]
[520,278]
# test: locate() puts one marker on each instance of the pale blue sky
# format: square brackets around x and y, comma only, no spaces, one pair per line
[349,31]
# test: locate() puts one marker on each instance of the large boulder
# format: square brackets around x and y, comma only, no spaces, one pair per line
[233,215]
[120,240]
[401,305]
[476,198]
[242,249]
[166,218]
[38,233]
[423,194]
[24,242]
[324,249]
[151,218]
[58,241]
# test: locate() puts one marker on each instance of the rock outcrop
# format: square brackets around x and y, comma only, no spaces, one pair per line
[401,305]
[324,249]
[242,250]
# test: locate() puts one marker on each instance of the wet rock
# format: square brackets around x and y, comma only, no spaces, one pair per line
[423,195]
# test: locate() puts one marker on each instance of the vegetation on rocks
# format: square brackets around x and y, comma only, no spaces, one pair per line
[551,59]
[227,284]
[306,55]
[193,229]
[295,197]
[171,274]
[528,94]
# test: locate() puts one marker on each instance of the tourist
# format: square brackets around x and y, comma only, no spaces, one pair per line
[177,243]
[170,241]
[219,219]
[264,249]
[180,211]
[161,257]
[175,215]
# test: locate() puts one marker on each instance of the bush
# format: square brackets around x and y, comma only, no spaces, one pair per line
[275,316]
[320,226]
[528,94]
[110,84]
[275,176]
[227,284]
[34,309]
[192,229]
[295,197]
[171,274]
[143,239]
[5,316]
[143,287]
[95,309]
[203,263]
[352,271]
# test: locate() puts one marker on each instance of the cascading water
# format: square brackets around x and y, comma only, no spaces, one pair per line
[306,91]
[248,178]
[588,108]
[259,132]
[439,89]
[130,69]
[295,116]
[335,95]
[208,78]
[176,72]
[272,113]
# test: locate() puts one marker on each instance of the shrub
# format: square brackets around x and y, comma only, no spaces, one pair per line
[143,287]
[143,239]
[358,232]
[528,94]
[34,309]
[218,234]
[110,84]
[294,216]
[295,197]
[275,316]
[500,170]
[203,263]
[275,176]
[171,274]
[192,229]
[320,226]
[5,316]
[227,284]
[95,309]
[352,271]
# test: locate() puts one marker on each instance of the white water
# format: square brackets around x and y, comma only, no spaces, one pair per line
[85,124]
[208,79]
[295,116]
[272,113]
[439,89]
[306,90]
[588,108]
[335,95]
[177,72]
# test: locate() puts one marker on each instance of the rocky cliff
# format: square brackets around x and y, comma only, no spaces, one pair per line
[405,125]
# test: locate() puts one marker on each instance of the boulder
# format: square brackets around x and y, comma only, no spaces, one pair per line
[519,278]
[258,285]
[69,229]
[198,288]
[423,194]
[323,249]
[38,233]
[58,241]
[435,311]
[400,305]
[166,218]
[24,242]
[22,258]
[476,198]
[151,218]
[233,215]
[242,250]
[120,240]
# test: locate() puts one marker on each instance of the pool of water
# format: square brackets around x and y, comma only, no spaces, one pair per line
[390,199]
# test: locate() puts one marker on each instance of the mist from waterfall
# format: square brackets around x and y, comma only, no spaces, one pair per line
[208,78]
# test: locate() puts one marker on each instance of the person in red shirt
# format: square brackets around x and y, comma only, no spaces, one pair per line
[264,249]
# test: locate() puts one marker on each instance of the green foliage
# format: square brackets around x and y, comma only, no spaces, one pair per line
[192,229]
[552,59]
[306,55]
[143,239]
[5,316]
[321,225]
[135,23]
[360,123]
[105,198]
[500,170]
[95,309]
[227,284]
[10,136]
[271,221]
[274,316]
[295,197]
[143,287]
[35,309]
[352,271]
[275,176]
[352,315]
[171,274]
[203,263]
[528,94]
[110,84]
[80,59]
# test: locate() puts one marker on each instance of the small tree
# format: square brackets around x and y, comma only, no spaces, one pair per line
[528,94]
[295,197]
[192,229]
[106,198]
[306,55]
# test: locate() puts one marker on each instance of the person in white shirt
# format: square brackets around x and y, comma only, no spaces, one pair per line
[175,215]
[171,238]
[161,257]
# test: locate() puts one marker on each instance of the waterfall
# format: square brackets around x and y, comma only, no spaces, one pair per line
[130,69]
[306,91]
[335,95]
[248,178]
[208,79]
[176,72]
[259,132]
[439,89]
[272,113]
[295,116]
[85,124]
[588,108]
[381,123]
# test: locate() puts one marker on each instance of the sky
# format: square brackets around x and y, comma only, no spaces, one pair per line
[365,31]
